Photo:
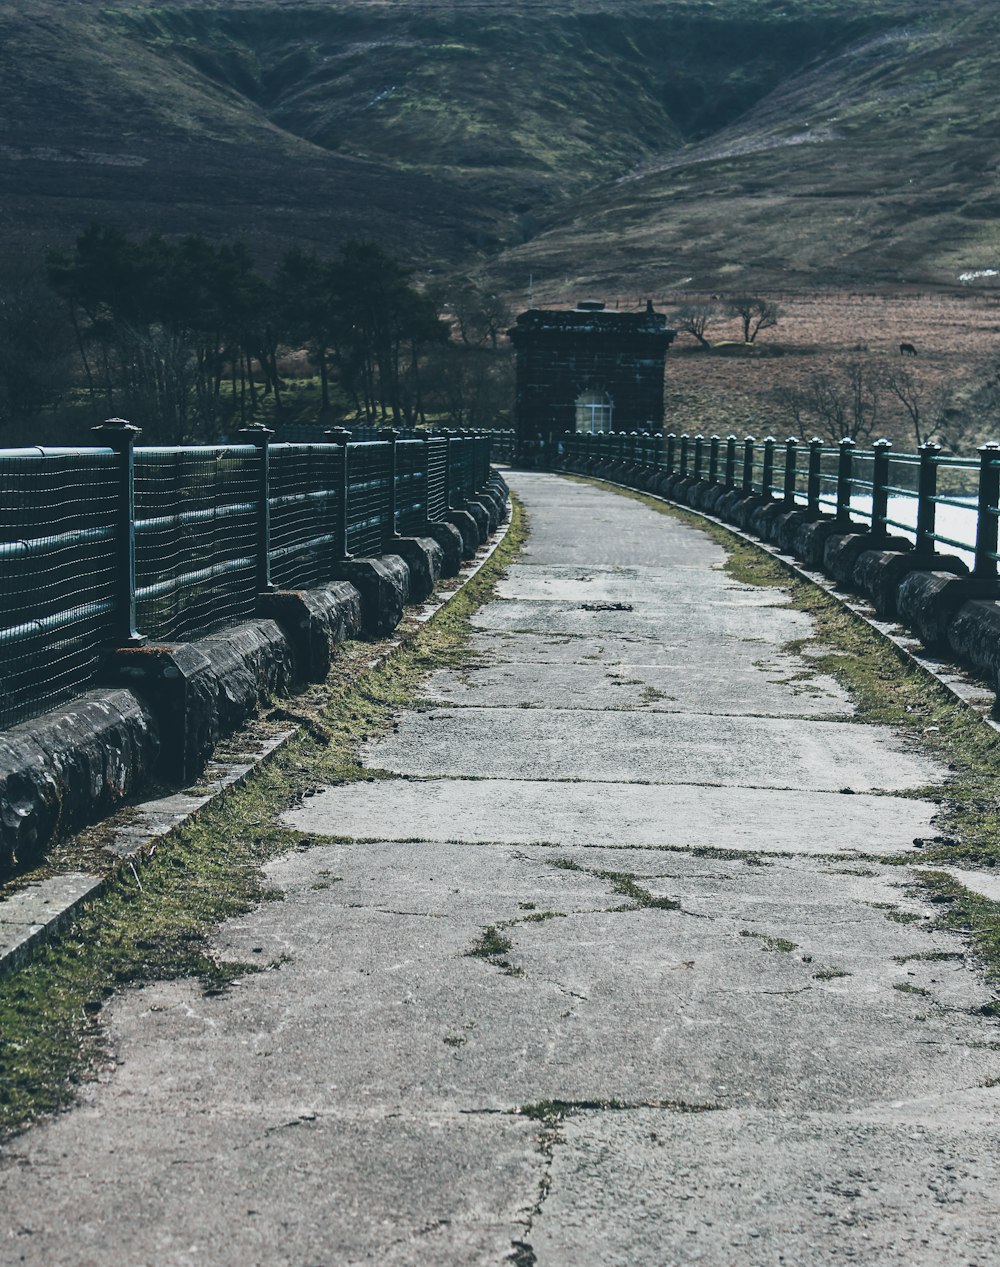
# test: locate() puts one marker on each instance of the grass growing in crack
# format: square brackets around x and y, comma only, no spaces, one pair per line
[624,884]
[830,974]
[493,947]
[490,945]
[770,943]
[904,987]
[156,925]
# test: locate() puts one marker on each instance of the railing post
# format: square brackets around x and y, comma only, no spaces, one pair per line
[844,460]
[121,435]
[926,492]
[390,435]
[748,447]
[341,436]
[685,444]
[730,461]
[699,454]
[260,437]
[815,471]
[767,470]
[880,488]
[671,452]
[713,460]
[986,525]
[791,458]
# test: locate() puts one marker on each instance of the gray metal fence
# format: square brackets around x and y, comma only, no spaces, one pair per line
[103,547]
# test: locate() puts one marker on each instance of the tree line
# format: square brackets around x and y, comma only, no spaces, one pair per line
[187,337]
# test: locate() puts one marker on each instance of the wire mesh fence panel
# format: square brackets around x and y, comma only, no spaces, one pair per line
[411,487]
[829,465]
[369,470]
[437,477]
[58,559]
[458,493]
[196,533]
[306,484]
[482,448]
[469,464]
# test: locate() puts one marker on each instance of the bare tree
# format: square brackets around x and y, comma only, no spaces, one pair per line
[695,319]
[755,314]
[480,316]
[836,407]
[924,404]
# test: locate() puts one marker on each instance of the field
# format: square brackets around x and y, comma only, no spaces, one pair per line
[957,340]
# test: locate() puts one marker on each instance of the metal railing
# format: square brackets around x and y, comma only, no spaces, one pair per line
[929,499]
[110,546]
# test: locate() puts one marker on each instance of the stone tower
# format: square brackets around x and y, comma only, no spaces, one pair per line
[587,369]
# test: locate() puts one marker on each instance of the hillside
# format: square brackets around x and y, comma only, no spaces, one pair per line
[876,167]
[582,142]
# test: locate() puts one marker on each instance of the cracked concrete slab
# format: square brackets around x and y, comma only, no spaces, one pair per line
[756,689]
[634,747]
[520,812]
[793,1061]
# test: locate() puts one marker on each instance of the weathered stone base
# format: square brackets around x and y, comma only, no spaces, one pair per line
[315,621]
[928,600]
[384,586]
[879,574]
[468,526]
[68,768]
[449,539]
[974,636]
[199,691]
[424,558]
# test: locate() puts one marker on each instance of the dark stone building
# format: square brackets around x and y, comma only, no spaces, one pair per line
[587,369]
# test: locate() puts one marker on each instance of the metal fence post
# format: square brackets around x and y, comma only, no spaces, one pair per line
[685,445]
[341,436]
[815,470]
[880,488]
[730,461]
[748,447]
[713,460]
[926,492]
[699,454]
[120,434]
[767,471]
[671,452]
[844,460]
[260,437]
[986,525]
[791,458]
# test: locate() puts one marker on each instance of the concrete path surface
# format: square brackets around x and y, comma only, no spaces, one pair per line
[591,978]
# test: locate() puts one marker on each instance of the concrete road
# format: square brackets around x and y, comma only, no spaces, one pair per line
[594,980]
